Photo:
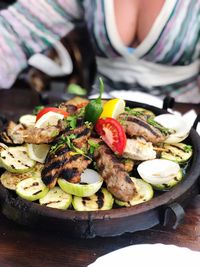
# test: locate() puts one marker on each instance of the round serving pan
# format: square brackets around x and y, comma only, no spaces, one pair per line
[166,209]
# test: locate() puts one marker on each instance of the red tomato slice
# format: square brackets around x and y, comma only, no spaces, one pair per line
[112,134]
[53,109]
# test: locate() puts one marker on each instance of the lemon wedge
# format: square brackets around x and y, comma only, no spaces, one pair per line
[38,152]
[49,119]
[112,108]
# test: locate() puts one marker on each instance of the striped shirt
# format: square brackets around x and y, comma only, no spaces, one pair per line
[167,62]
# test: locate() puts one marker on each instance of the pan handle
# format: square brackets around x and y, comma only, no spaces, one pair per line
[172,215]
[197,120]
[168,102]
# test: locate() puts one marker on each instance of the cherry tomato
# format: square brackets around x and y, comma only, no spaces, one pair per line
[112,134]
[53,109]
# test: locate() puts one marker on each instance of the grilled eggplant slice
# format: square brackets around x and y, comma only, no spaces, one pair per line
[102,200]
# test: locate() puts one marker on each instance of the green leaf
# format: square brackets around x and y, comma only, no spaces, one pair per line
[37,109]
[93,146]
[72,122]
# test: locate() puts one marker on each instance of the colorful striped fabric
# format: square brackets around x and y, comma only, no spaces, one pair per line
[165,63]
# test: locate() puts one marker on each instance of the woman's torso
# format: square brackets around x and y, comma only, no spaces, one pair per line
[165,33]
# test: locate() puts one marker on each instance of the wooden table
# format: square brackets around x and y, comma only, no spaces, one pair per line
[22,247]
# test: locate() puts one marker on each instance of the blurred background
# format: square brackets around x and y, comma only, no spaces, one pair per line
[51,89]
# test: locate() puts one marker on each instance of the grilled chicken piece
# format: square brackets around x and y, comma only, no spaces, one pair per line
[135,126]
[45,135]
[113,172]
[64,162]
[18,134]
[15,132]
[139,149]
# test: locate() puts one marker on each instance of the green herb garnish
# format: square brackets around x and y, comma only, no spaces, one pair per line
[37,109]
[157,125]
[133,112]
[93,146]
[187,148]
[72,120]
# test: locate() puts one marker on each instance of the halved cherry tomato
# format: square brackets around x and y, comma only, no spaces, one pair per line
[112,134]
[53,109]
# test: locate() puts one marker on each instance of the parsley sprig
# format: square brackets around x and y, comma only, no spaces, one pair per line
[72,120]
[187,148]
[93,146]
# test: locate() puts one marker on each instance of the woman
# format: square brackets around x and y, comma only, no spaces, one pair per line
[150,45]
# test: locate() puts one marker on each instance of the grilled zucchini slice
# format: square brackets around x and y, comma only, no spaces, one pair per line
[31,189]
[179,152]
[56,198]
[144,193]
[10,180]
[174,181]
[16,159]
[102,200]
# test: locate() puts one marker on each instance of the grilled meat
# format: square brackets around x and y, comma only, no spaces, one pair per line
[13,133]
[45,135]
[113,172]
[18,134]
[71,109]
[66,162]
[74,104]
[63,164]
[135,126]
[139,149]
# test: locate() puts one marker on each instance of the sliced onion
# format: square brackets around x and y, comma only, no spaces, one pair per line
[179,127]
[90,183]
[158,171]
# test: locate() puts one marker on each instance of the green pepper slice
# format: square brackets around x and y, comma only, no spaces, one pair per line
[94,109]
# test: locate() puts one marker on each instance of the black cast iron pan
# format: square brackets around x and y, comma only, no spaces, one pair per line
[166,209]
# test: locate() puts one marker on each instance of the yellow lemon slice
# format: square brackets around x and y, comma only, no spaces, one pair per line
[112,108]
[38,152]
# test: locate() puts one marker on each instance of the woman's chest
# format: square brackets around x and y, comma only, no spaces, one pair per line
[134,19]
[167,32]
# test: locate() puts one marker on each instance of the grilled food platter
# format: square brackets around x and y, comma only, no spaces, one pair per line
[98,167]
